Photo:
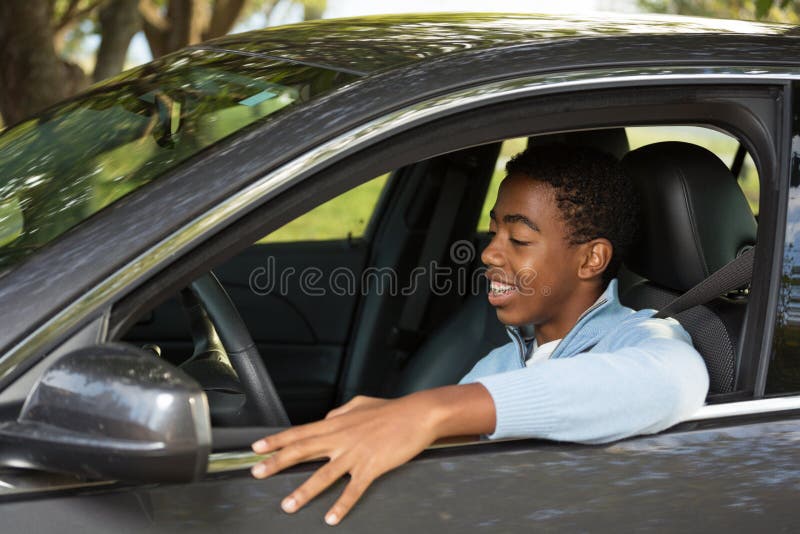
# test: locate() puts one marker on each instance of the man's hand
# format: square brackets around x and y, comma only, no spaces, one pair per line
[367,437]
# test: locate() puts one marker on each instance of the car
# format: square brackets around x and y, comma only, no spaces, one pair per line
[249,232]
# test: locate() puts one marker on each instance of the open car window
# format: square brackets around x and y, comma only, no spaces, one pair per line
[288,312]
[722,144]
[343,217]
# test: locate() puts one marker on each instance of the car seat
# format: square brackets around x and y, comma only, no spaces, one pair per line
[694,219]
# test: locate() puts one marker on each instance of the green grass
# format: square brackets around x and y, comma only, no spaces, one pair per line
[510,148]
[347,214]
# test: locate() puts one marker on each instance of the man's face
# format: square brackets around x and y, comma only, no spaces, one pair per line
[532,268]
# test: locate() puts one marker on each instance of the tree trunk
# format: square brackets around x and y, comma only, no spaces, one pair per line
[119,22]
[187,20]
[185,23]
[223,17]
[155,27]
[313,9]
[32,76]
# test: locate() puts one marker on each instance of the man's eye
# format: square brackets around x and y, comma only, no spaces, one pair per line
[518,242]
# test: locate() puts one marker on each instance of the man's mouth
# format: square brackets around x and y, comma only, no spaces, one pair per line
[500,288]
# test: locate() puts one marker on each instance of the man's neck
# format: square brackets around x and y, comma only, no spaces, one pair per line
[568,316]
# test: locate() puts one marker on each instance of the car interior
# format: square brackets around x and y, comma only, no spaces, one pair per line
[360,335]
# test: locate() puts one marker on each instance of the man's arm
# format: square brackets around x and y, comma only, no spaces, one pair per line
[650,379]
[367,437]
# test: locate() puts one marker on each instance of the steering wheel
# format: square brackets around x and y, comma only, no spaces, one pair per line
[226,361]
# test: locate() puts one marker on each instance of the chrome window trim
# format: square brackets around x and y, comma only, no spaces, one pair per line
[222,462]
[351,141]
[23,482]
[747,407]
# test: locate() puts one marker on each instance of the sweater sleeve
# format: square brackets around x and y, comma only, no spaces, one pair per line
[651,380]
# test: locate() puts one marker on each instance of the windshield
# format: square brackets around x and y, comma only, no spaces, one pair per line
[67,164]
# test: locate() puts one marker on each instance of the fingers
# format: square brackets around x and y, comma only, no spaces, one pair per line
[291,435]
[298,452]
[316,484]
[279,440]
[350,496]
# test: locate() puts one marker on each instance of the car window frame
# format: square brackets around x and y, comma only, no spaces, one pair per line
[727,397]
[790,156]
[199,250]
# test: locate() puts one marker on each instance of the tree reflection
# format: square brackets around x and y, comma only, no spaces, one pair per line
[73,160]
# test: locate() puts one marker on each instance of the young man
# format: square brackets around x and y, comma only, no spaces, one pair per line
[594,371]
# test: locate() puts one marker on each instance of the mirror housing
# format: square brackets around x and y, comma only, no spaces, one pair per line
[112,411]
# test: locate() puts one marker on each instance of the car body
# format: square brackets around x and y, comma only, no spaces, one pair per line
[411,89]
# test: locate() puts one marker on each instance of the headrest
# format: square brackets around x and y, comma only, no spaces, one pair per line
[613,141]
[694,216]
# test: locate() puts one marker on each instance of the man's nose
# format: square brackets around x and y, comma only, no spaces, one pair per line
[491,255]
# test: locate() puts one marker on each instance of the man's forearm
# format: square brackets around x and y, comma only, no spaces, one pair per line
[456,410]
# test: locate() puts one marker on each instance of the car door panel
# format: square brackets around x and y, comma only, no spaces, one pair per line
[738,477]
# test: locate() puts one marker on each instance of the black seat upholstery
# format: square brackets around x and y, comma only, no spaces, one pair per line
[613,141]
[453,349]
[694,220]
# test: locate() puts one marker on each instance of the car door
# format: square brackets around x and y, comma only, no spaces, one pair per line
[730,466]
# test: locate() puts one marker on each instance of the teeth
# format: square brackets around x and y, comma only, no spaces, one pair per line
[500,287]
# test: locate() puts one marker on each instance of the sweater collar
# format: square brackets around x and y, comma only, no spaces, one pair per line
[588,329]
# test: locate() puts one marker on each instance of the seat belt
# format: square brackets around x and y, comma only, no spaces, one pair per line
[405,335]
[730,276]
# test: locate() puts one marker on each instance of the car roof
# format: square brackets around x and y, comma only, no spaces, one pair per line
[368,44]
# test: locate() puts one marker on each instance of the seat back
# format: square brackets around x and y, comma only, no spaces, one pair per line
[612,141]
[694,219]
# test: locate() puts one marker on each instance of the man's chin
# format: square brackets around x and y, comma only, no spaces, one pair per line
[509,318]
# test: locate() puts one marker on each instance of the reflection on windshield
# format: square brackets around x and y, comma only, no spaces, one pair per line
[60,168]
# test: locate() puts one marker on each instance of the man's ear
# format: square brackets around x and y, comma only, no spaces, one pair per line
[596,254]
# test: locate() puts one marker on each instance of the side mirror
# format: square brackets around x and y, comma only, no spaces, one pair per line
[112,411]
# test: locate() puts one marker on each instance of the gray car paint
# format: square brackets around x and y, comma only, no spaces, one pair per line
[740,478]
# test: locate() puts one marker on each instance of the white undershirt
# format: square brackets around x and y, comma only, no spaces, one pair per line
[541,353]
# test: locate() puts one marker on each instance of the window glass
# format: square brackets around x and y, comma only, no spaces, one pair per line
[343,217]
[61,167]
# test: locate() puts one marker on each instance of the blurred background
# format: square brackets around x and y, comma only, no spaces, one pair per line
[51,49]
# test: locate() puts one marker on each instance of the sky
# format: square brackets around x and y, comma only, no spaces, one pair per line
[287,12]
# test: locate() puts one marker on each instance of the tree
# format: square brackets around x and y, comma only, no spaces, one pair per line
[37,35]
[32,75]
[771,10]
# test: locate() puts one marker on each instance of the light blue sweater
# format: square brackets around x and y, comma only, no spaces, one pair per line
[617,373]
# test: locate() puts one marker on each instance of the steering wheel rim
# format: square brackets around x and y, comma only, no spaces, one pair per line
[262,405]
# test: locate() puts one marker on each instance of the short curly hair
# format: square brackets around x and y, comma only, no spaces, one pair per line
[593,193]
